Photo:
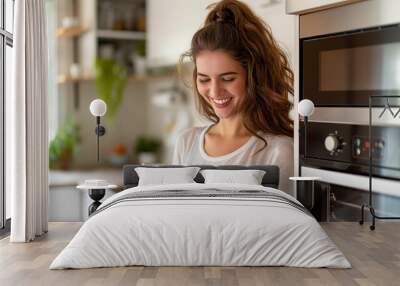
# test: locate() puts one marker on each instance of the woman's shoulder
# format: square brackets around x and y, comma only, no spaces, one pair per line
[279,143]
[281,139]
[279,150]
[278,140]
[191,132]
[187,136]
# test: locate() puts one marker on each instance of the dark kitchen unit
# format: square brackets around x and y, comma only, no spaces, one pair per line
[342,63]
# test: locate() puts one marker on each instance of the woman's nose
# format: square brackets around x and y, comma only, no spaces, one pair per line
[215,90]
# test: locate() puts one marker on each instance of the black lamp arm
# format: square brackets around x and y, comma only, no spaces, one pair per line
[305,135]
[100,131]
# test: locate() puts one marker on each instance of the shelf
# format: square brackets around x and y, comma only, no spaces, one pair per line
[63,79]
[151,77]
[121,35]
[71,32]
[67,79]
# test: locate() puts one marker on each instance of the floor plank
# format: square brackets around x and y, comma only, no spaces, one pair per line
[375,257]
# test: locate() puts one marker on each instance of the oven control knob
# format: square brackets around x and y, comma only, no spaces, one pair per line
[332,143]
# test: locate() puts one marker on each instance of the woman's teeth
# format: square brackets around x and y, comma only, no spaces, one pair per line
[221,101]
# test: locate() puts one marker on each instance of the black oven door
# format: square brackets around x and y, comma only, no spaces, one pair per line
[345,69]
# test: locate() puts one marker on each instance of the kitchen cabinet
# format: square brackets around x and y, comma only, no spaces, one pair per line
[66,202]
[307,6]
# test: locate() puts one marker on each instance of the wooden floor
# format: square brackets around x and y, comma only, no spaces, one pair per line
[375,257]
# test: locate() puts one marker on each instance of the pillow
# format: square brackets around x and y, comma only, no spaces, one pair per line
[249,177]
[163,176]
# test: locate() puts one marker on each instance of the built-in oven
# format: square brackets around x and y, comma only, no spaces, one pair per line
[348,54]
[345,148]
[343,69]
[339,153]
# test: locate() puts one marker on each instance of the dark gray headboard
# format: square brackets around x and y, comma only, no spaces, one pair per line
[270,179]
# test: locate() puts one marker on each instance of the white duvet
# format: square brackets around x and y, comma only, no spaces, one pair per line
[200,231]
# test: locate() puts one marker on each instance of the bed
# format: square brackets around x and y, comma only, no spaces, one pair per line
[201,224]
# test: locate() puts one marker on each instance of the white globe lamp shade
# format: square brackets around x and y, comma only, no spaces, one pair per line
[306,107]
[98,107]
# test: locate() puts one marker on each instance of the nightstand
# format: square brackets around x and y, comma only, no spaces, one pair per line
[96,190]
[315,195]
[305,190]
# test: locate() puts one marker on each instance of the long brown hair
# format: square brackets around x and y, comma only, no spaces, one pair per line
[232,27]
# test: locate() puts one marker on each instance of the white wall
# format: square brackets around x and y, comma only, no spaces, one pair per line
[170,27]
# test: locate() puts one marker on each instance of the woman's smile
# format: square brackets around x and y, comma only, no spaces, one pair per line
[221,102]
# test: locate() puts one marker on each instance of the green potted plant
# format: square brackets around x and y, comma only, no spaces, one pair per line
[111,80]
[62,147]
[146,149]
[139,59]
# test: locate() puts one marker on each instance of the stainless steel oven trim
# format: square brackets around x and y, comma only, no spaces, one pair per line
[360,15]
[353,115]
[382,186]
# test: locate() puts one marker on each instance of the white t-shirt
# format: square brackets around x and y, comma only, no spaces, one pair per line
[189,150]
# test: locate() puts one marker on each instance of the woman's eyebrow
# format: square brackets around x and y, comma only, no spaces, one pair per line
[222,74]
[228,73]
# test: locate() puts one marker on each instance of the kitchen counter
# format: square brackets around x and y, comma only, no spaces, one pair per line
[59,178]
[66,202]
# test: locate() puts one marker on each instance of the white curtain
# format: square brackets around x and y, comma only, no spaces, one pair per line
[53,96]
[26,124]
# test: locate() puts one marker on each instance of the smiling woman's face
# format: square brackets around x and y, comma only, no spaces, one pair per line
[221,80]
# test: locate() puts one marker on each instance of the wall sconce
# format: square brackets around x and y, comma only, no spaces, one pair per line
[98,108]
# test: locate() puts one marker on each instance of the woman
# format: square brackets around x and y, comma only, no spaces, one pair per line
[242,80]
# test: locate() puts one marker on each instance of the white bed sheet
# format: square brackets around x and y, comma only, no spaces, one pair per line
[200,231]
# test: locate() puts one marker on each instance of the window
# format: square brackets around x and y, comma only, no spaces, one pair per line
[6,64]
